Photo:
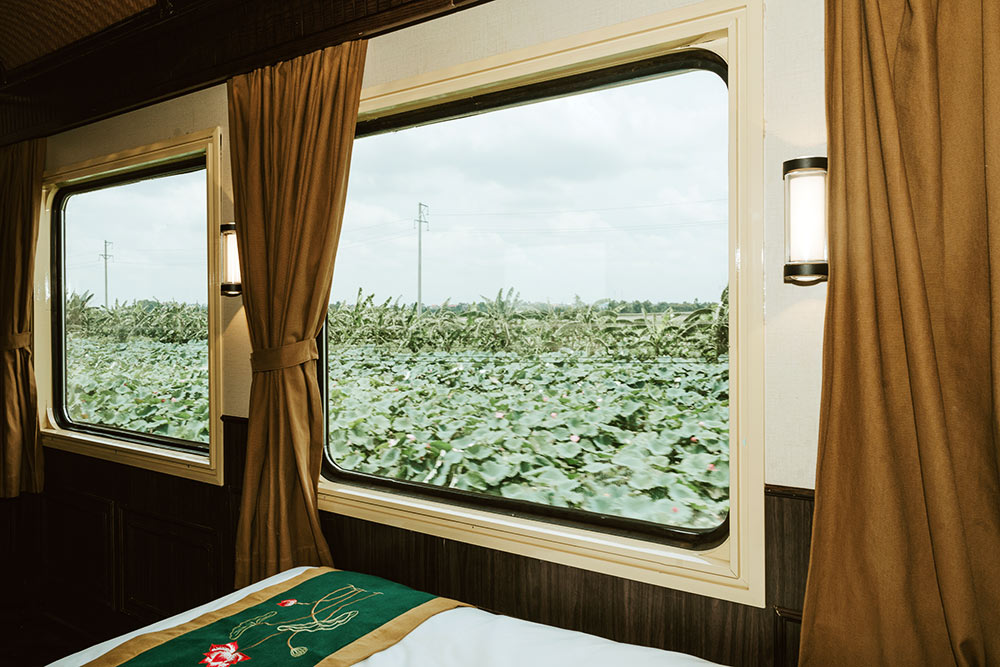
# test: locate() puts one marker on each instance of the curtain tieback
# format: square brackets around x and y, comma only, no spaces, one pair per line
[15,341]
[286,356]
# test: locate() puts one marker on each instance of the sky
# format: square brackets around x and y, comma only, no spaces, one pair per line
[619,193]
[158,240]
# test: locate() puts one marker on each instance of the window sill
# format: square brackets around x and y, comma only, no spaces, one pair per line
[709,573]
[198,467]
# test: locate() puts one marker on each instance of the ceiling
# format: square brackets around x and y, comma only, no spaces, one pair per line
[64,63]
[33,29]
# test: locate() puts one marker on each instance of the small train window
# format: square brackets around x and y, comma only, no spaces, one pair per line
[130,321]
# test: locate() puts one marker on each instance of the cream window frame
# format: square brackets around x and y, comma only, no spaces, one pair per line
[202,467]
[734,570]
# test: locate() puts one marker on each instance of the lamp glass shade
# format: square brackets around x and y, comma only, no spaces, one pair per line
[231,281]
[805,221]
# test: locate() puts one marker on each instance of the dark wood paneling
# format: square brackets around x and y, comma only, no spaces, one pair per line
[21,549]
[166,524]
[167,566]
[567,597]
[127,546]
[191,44]
[81,554]
[787,631]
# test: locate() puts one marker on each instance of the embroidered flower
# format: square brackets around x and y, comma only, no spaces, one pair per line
[287,603]
[223,655]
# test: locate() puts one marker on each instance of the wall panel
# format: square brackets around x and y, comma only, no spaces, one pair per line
[171,546]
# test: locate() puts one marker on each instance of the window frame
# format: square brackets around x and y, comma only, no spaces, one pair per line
[623,74]
[197,461]
[60,409]
[734,570]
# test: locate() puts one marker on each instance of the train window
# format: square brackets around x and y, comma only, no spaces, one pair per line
[529,308]
[130,316]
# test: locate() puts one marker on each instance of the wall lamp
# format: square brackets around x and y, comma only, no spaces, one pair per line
[231,281]
[805,220]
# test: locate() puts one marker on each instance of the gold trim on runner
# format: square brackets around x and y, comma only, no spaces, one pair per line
[133,647]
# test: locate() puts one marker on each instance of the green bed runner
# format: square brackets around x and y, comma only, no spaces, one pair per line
[321,617]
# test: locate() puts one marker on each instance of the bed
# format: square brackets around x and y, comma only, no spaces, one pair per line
[451,634]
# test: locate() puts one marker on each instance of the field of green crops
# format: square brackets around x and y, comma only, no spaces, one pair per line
[574,406]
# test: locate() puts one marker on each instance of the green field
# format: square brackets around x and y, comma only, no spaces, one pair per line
[579,406]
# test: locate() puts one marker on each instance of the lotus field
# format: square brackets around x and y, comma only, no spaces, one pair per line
[572,406]
[578,406]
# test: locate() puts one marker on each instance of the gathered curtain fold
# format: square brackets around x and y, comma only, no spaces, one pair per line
[906,532]
[292,131]
[21,468]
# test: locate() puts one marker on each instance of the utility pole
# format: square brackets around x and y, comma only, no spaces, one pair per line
[420,221]
[105,256]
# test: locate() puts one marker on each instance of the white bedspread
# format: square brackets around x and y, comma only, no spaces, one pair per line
[463,637]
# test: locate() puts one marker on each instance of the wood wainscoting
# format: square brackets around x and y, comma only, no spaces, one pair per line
[115,547]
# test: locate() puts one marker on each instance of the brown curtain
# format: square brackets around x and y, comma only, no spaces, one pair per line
[905,565]
[292,130]
[20,198]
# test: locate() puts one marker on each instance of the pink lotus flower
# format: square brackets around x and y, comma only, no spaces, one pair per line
[674,510]
[694,439]
[287,603]
[223,655]
[554,415]
[574,438]
[499,415]
[711,466]
[393,442]
[411,437]
[545,399]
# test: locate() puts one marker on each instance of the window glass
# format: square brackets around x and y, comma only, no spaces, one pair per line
[530,304]
[134,310]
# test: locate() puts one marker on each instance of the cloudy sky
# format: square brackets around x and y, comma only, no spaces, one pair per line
[619,193]
[158,240]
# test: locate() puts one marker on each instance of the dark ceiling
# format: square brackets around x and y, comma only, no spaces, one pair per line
[32,29]
[64,63]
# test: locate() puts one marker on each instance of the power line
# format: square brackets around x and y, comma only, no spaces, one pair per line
[579,210]
[386,237]
[630,228]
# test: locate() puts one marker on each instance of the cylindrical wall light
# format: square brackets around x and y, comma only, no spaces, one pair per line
[231,281]
[805,220]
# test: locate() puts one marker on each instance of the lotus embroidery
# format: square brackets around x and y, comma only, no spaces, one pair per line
[223,655]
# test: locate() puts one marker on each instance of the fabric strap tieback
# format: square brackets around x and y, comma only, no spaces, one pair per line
[286,356]
[15,341]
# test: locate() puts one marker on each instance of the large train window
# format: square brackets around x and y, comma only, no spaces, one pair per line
[530,304]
